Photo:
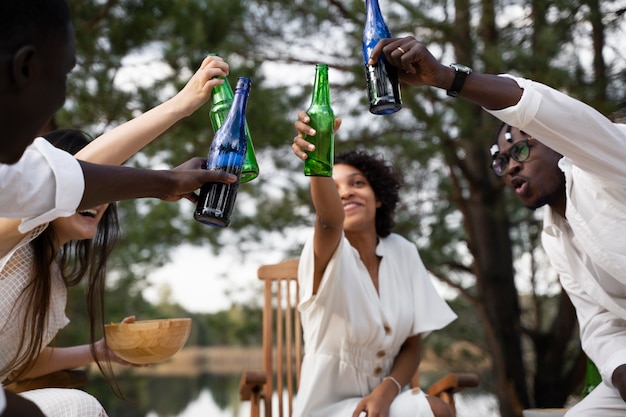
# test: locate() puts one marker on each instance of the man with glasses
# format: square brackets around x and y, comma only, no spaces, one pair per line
[555,151]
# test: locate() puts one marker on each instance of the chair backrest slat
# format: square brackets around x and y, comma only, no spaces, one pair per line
[282,334]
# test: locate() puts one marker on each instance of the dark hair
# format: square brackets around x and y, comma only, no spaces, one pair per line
[76,259]
[31,21]
[384,181]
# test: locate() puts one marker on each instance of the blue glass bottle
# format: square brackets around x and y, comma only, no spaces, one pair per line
[221,102]
[382,79]
[227,152]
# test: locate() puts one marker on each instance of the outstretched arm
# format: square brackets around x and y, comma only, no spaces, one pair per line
[119,144]
[57,359]
[107,183]
[329,213]
[417,66]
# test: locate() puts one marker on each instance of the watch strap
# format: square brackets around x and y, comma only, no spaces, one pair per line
[460,74]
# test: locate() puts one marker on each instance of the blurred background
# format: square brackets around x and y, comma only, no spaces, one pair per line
[515,327]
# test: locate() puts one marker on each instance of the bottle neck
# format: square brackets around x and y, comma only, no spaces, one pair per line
[222,93]
[375,28]
[237,113]
[373,15]
[321,90]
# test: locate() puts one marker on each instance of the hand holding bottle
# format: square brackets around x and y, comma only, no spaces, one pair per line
[300,145]
[191,175]
[227,152]
[198,89]
[417,66]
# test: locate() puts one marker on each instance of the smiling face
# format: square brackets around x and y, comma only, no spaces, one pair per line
[358,198]
[80,225]
[538,180]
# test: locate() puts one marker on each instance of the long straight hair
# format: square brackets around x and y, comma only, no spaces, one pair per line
[76,260]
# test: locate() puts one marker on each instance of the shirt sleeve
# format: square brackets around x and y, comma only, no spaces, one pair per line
[570,127]
[46,183]
[601,331]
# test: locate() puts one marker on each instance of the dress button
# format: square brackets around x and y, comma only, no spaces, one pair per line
[378,371]
[387,329]
[380,354]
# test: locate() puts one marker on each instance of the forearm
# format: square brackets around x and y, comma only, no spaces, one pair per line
[328,206]
[57,359]
[407,361]
[119,144]
[492,92]
[106,183]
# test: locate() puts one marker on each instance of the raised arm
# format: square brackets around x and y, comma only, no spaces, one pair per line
[119,144]
[417,66]
[329,214]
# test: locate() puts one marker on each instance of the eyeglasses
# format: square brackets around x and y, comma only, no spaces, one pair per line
[520,152]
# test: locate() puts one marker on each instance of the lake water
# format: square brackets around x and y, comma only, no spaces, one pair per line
[218,396]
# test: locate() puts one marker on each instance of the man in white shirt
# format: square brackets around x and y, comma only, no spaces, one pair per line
[37,52]
[557,152]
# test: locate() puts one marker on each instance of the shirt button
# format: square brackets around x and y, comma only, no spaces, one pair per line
[380,354]
[378,371]
[387,329]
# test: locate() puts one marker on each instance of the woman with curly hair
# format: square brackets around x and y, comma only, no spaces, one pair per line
[367,300]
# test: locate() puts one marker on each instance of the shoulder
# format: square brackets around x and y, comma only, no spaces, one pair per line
[396,242]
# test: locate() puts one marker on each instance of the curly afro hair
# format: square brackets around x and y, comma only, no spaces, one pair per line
[384,181]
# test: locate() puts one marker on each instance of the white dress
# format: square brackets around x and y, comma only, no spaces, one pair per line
[352,333]
[15,272]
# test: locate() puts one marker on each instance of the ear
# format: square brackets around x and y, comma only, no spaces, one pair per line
[25,64]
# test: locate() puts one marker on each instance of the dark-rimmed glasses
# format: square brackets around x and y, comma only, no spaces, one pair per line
[520,151]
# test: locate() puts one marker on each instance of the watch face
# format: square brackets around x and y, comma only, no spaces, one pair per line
[462,68]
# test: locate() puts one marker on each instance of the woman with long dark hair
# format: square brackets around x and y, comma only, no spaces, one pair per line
[37,267]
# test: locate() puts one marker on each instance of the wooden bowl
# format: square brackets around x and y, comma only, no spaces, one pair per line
[147,341]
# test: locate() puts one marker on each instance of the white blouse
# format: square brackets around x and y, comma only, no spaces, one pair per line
[15,274]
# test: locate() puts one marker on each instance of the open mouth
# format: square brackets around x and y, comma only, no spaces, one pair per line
[88,213]
[518,184]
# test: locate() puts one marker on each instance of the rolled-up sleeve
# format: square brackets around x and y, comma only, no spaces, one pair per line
[46,183]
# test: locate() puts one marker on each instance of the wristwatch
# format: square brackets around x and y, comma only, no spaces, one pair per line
[461,73]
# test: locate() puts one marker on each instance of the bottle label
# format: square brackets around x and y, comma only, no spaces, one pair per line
[216,203]
[382,88]
[230,162]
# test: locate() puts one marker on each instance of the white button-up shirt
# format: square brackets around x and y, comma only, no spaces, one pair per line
[46,183]
[588,248]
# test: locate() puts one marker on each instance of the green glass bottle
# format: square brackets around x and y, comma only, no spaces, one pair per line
[320,161]
[221,101]
[592,378]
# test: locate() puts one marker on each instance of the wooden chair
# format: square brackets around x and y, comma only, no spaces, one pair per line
[282,349]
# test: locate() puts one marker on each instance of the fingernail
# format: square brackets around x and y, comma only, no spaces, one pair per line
[312,132]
